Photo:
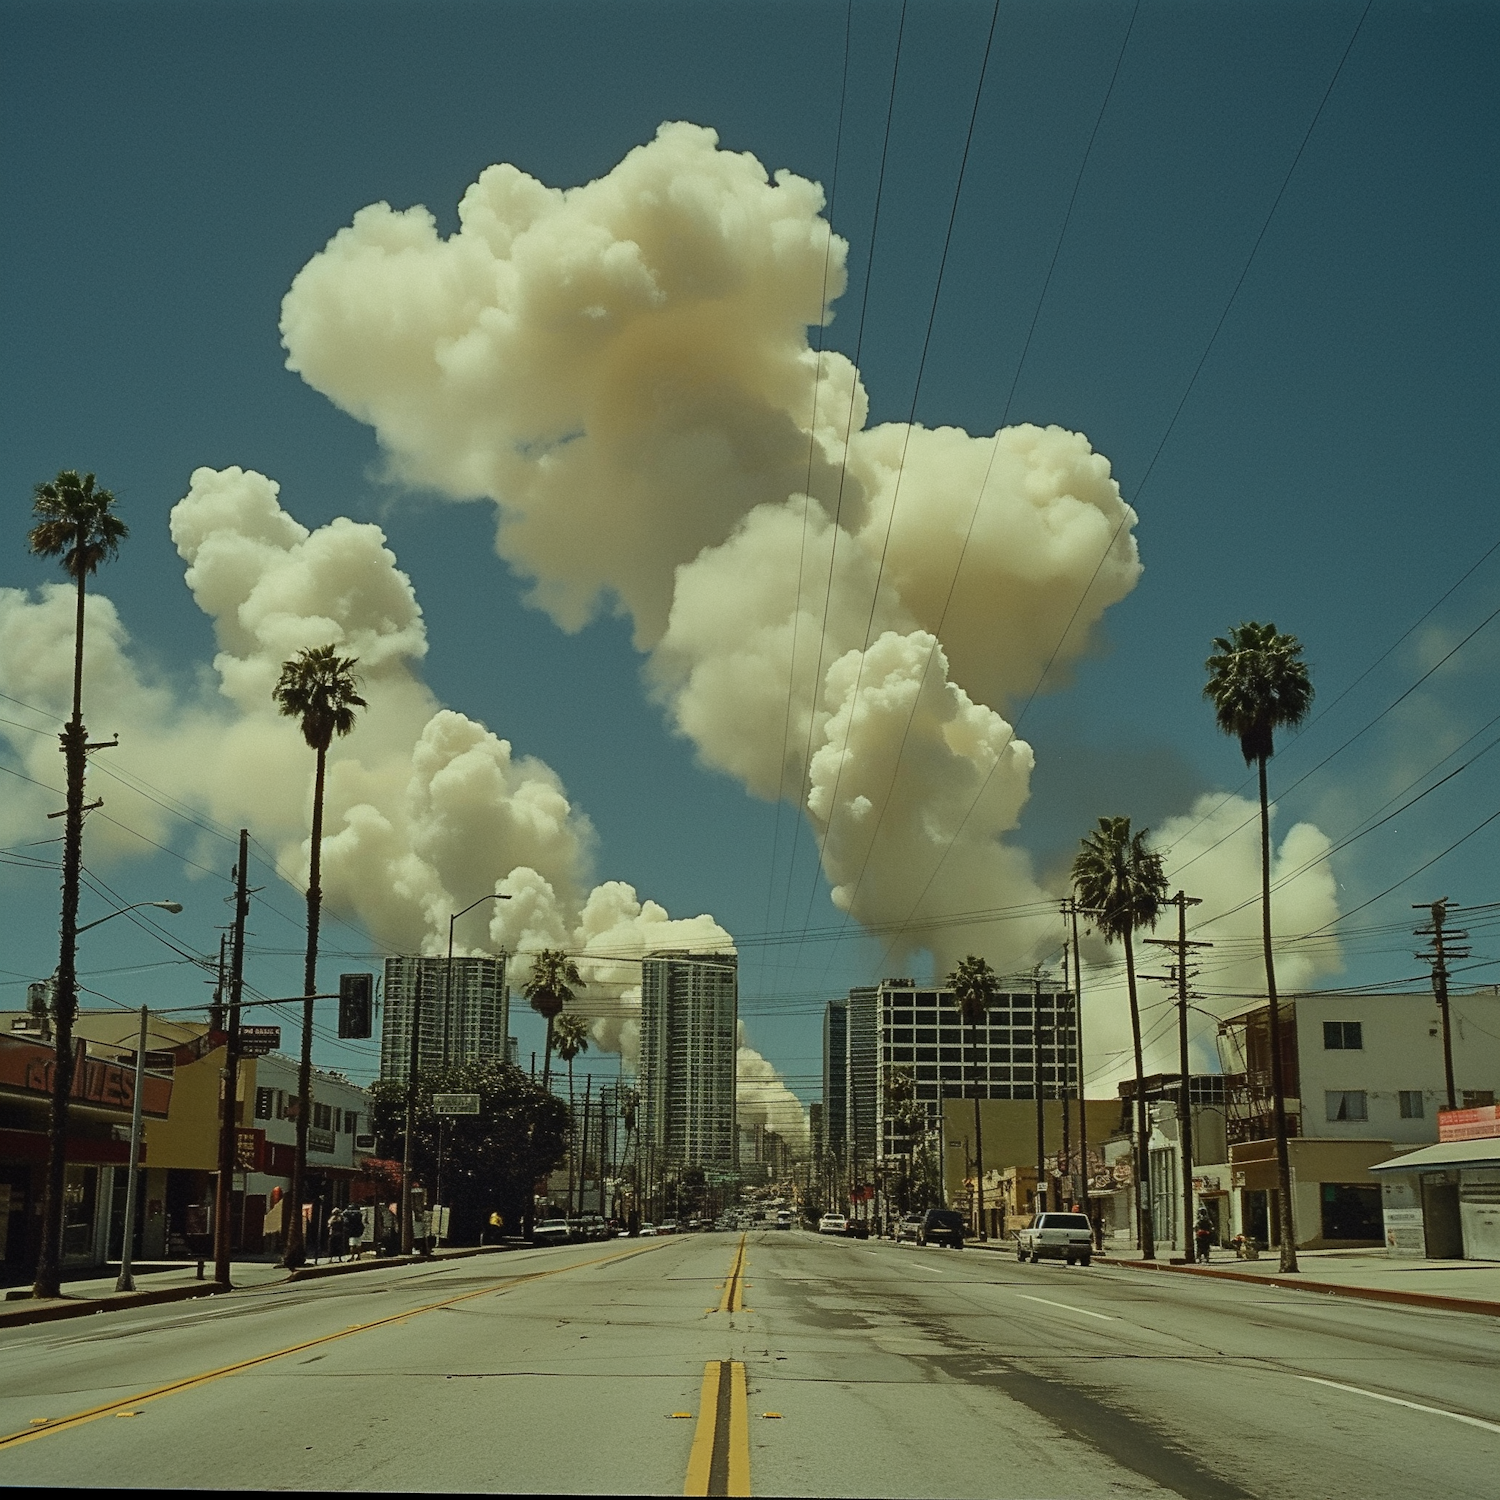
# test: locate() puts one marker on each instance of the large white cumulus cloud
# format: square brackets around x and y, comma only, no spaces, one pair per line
[425,806]
[1213,851]
[623,368]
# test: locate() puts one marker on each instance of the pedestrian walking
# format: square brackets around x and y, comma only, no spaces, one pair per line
[1203,1232]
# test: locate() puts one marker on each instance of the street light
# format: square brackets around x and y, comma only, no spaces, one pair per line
[126,1282]
[172,906]
[412,1062]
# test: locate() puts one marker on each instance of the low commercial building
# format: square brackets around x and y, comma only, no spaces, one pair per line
[1443,1202]
[1364,1077]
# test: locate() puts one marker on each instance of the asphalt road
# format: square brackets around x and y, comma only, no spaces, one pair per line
[797,1366]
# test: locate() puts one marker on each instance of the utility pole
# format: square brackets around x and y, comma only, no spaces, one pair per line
[228,1121]
[1070,909]
[1438,956]
[1180,974]
[1062,1091]
[1041,1119]
[126,1281]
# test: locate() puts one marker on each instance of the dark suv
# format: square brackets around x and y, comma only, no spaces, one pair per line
[942,1226]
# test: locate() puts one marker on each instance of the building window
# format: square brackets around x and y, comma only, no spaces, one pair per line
[265,1103]
[1478,1098]
[1411,1104]
[1346,1104]
[351,1122]
[1343,1036]
[322,1116]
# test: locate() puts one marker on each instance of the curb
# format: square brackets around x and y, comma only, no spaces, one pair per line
[385,1262]
[51,1312]
[1324,1288]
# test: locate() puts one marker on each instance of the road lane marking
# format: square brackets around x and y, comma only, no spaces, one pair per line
[733,1300]
[719,1463]
[1436,1411]
[189,1382]
[1068,1307]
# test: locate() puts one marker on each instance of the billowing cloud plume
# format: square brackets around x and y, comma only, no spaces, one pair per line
[624,369]
[425,806]
[1213,851]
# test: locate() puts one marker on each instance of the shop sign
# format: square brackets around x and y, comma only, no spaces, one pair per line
[249,1149]
[256,1041]
[1479,1124]
[30,1067]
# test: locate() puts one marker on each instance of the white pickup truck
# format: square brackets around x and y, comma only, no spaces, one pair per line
[1067,1237]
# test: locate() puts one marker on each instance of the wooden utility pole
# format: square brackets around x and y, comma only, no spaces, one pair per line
[1438,956]
[1185,1093]
[1041,1119]
[1070,910]
[228,1121]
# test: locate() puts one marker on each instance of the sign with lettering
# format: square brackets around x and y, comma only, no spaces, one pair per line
[249,1149]
[256,1041]
[29,1067]
[1478,1124]
[455,1104]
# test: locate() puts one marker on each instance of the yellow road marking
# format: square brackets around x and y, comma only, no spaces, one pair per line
[189,1382]
[733,1299]
[700,1460]
[720,1461]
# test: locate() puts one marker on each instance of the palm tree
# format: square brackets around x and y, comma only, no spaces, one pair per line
[570,1036]
[317,688]
[975,985]
[75,523]
[1258,683]
[553,976]
[1120,880]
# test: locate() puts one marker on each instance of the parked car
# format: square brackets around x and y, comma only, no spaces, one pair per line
[550,1232]
[942,1226]
[832,1224]
[667,1226]
[908,1227]
[784,1219]
[646,1232]
[857,1229]
[1065,1237]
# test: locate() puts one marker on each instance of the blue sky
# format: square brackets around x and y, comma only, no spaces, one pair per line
[170,167]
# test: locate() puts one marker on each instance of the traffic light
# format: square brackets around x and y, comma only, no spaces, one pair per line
[356,1006]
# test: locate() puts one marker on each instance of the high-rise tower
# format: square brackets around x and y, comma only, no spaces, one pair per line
[465,1012]
[689,1020]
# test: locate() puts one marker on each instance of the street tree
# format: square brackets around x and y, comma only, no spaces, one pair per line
[1119,879]
[1258,683]
[570,1036]
[975,986]
[553,983]
[491,1161]
[318,688]
[75,523]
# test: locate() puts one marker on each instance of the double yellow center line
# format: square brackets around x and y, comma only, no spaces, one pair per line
[720,1461]
[733,1299]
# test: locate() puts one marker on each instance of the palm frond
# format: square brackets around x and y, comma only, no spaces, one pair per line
[319,688]
[1257,683]
[1120,878]
[75,522]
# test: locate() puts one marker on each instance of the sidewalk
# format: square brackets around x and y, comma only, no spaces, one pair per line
[1459,1285]
[179,1283]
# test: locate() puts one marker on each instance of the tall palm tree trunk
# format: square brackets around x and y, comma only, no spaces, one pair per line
[74,739]
[1286,1232]
[1142,1135]
[547,1056]
[978,1135]
[296,1252]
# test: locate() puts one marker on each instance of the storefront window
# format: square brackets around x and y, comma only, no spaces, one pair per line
[80,1196]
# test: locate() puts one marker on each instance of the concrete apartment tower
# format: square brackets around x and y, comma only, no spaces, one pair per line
[689,1024]
[465,1012]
